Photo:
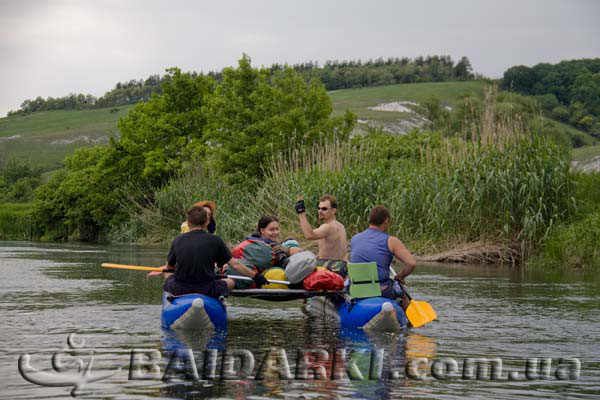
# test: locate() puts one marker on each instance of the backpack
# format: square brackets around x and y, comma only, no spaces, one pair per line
[323,279]
[299,266]
[240,284]
[258,253]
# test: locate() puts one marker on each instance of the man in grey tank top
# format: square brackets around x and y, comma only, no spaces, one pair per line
[376,245]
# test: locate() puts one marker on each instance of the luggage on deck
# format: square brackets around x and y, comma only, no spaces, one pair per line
[323,279]
[338,266]
[276,273]
[239,284]
[299,266]
[256,252]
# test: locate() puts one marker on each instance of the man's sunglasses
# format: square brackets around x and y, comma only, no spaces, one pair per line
[324,208]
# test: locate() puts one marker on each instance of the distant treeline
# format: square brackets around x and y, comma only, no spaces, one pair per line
[334,75]
[356,74]
[569,91]
[129,92]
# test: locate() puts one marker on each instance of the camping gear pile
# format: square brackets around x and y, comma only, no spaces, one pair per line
[299,269]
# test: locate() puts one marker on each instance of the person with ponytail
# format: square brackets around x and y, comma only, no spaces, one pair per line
[211,208]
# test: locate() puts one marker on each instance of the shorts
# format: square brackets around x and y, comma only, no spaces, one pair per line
[337,266]
[391,290]
[215,289]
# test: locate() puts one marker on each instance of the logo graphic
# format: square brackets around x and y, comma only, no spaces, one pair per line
[63,375]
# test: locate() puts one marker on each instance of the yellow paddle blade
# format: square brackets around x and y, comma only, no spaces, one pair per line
[419,313]
[132,267]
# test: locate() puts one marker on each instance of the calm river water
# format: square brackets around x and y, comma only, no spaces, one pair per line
[49,291]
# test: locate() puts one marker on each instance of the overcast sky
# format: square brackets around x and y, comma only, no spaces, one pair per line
[52,48]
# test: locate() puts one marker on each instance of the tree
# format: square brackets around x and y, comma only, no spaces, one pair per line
[520,79]
[84,199]
[436,112]
[18,179]
[586,90]
[157,136]
[250,118]
[547,101]
[463,70]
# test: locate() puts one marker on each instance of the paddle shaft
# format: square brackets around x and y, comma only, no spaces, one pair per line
[132,267]
[393,271]
[159,269]
[246,278]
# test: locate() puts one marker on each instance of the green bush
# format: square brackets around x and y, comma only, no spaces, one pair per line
[383,146]
[18,180]
[16,222]
[560,113]
[547,101]
[587,193]
[159,220]
[573,245]
[234,126]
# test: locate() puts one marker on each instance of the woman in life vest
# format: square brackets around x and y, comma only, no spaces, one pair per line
[267,231]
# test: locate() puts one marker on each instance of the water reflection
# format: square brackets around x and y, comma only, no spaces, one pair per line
[318,361]
[51,290]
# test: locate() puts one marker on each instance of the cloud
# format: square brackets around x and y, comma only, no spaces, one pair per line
[51,48]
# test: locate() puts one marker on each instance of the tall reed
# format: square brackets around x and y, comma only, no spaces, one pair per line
[495,183]
[157,218]
[16,222]
[498,184]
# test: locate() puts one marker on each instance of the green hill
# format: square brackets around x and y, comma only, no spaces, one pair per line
[45,138]
[358,100]
[403,98]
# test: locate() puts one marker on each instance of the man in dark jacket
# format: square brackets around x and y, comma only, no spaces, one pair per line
[193,256]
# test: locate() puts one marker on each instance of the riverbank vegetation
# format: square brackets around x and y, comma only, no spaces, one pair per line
[18,180]
[16,221]
[575,243]
[498,184]
[485,178]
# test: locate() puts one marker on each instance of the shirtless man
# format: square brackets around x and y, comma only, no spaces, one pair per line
[331,235]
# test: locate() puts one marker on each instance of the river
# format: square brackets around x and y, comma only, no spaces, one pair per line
[51,291]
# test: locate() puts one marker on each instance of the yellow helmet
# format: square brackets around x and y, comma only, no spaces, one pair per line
[276,273]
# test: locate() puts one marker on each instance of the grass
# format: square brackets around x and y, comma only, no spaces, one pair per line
[585,153]
[15,221]
[158,219]
[40,153]
[574,243]
[358,100]
[45,138]
[573,131]
[504,193]
[62,124]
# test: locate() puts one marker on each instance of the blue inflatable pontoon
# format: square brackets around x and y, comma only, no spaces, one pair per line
[193,311]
